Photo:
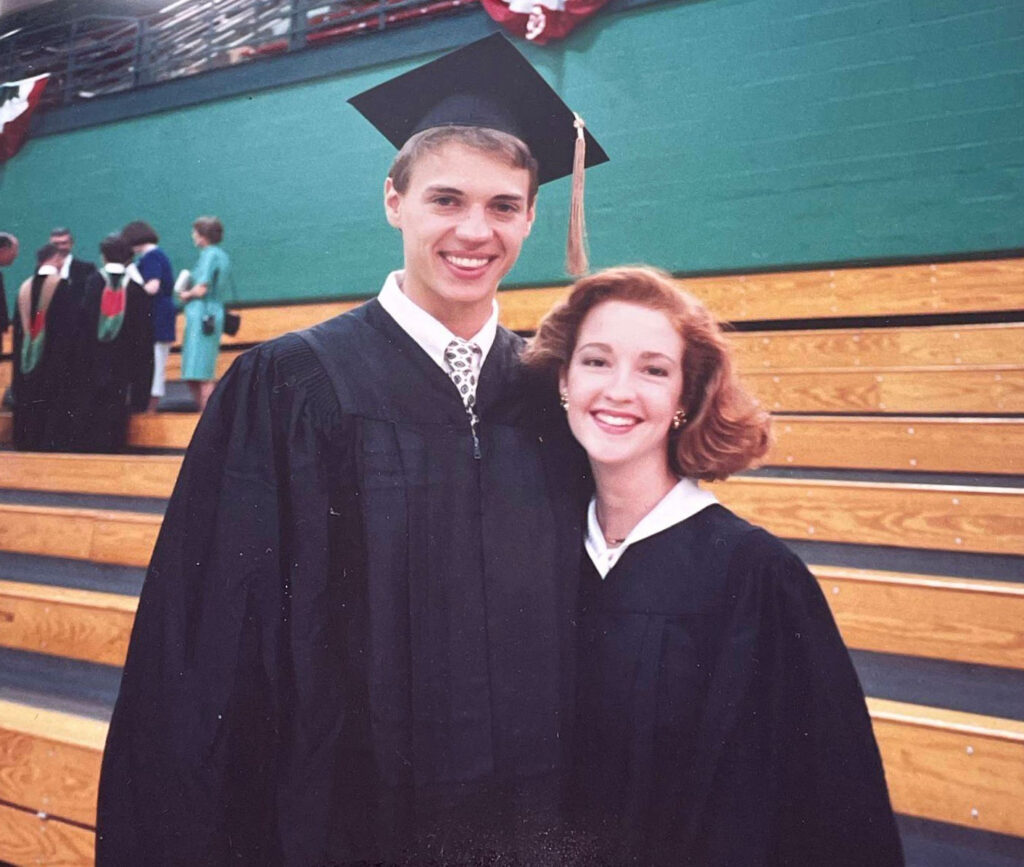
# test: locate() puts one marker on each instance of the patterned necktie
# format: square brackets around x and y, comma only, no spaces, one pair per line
[463,361]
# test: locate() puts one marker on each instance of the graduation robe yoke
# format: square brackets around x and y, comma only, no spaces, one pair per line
[354,638]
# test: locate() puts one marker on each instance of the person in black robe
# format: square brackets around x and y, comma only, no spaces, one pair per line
[8,253]
[114,343]
[720,720]
[46,322]
[354,643]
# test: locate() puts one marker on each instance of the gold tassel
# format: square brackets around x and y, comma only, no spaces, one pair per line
[576,262]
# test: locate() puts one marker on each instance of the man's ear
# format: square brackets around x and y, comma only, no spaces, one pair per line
[531,215]
[392,204]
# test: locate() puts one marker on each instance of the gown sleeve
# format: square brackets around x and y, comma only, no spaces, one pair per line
[823,786]
[188,771]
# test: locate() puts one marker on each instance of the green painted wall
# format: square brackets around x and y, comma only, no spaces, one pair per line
[743,134]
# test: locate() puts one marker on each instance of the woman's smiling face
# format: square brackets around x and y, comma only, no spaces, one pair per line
[624,383]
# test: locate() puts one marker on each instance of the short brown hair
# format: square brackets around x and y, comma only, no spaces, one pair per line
[726,429]
[210,228]
[491,141]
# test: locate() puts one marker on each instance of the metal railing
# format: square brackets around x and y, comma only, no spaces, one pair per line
[101,54]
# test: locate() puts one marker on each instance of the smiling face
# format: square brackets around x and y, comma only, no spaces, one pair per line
[624,383]
[463,217]
[63,243]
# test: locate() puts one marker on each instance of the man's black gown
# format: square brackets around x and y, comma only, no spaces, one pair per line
[107,375]
[355,638]
[721,720]
[43,411]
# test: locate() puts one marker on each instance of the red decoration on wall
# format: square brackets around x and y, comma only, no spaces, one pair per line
[18,99]
[541,21]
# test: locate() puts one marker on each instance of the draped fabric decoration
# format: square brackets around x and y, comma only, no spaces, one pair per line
[541,20]
[18,99]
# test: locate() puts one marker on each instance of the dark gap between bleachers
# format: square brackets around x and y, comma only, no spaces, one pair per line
[65,572]
[962,686]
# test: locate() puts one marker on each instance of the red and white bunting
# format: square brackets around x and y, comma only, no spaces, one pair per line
[18,99]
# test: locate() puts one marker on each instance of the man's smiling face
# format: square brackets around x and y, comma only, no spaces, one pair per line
[463,218]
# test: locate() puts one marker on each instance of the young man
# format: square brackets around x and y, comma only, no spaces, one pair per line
[354,642]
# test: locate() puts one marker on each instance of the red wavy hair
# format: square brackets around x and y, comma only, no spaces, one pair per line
[726,429]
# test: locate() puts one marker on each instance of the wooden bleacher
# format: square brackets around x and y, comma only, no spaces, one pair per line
[916,399]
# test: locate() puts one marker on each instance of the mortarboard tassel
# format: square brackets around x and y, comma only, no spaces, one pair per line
[576,262]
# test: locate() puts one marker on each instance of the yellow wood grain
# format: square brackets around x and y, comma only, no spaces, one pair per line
[962,619]
[935,346]
[25,838]
[50,761]
[136,475]
[944,517]
[169,430]
[993,389]
[953,445]
[956,287]
[952,767]
[76,624]
[83,534]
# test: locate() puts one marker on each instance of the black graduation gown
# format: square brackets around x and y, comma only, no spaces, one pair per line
[105,372]
[354,640]
[43,412]
[4,318]
[720,718]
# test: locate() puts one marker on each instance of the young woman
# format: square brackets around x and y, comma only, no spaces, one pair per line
[204,309]
[720,721]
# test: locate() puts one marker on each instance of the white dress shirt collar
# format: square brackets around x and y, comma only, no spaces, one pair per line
[684,501]
[430,335]
[65,269]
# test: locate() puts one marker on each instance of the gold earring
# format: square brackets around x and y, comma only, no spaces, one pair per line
[563,399]
[678,419]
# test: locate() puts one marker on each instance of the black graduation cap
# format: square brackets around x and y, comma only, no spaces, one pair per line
[487,83]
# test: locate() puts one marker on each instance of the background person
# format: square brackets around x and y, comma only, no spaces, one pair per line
[73,270]
[46,320]
[204,310]
[720,720]
[8,253]
[114,343]
[158,277]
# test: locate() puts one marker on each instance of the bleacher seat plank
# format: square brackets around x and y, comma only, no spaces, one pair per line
[126,538]
[6,374]
[944,517]
[942,346]
[955,287]
[225,358]
[50,761]
[962,619]
[264,323]
[66,622]
[164,430]
[940,445]
[26,838]
[135,475]
[990,389]
[952,767]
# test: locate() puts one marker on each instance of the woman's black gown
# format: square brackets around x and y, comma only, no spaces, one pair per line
[720,718]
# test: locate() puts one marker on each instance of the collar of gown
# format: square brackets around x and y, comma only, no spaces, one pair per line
[430,334]
[682,502]
[65,269]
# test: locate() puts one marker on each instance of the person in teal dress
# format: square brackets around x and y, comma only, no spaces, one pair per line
[204,309]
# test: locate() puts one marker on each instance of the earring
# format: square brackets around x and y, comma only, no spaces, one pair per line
[678,419]
[563,399]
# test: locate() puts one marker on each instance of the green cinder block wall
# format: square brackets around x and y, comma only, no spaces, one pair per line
[744,134]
